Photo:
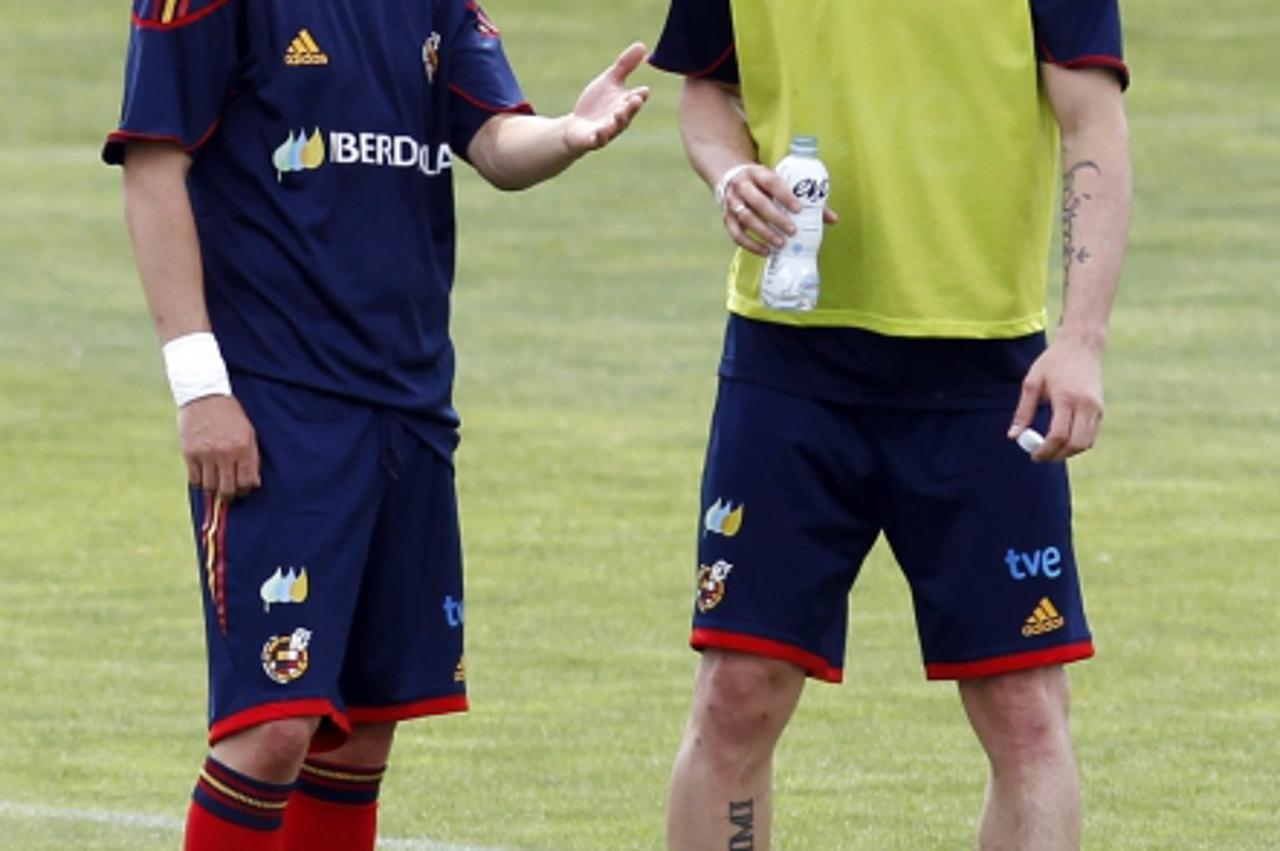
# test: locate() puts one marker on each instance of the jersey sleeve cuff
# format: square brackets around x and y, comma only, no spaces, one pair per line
[724,69]
[113,149]
[1096,60]
[471,114]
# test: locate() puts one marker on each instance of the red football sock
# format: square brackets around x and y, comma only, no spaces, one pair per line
[333,808]
[233,812]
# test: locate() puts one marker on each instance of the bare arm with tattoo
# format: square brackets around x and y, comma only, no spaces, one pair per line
[1096,195]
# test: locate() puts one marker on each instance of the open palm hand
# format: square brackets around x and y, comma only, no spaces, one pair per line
[606,106]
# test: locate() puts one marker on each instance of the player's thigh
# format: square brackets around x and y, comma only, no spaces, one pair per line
[405,656]
[786,521]
[280,567]
[984,537]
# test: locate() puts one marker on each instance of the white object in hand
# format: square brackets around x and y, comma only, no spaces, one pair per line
[790,280]
[1030,440]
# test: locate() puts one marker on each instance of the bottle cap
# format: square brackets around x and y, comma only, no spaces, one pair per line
[804,146]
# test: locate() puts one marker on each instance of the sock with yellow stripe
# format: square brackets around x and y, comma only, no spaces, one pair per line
[232,810]
[333,808]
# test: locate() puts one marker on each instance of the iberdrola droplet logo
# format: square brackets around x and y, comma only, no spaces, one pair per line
[299,152]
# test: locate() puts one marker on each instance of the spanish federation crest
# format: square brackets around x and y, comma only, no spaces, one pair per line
[285,657]
[711,584]
[431,56]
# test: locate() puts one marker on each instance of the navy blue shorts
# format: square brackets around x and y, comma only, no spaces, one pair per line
[334,589]
[796,490]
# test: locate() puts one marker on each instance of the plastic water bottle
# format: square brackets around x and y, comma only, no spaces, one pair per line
[790,280]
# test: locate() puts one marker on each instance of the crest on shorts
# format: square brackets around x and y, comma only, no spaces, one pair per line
[285,657]
[460,672]
[431,56]
[711,584]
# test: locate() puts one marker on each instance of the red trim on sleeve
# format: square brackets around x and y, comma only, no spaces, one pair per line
[813,665]
[178,21]
[1089,60]
[484,24]
[121,137]
[301,708]
[523,107]
[724,57]
[404,711]
[1010,663]
[1098,60]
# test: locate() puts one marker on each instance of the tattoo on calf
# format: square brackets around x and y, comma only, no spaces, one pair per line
[743,818]
[1072,201]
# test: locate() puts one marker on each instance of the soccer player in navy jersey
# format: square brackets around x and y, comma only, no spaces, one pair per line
[892,407]
[288,189]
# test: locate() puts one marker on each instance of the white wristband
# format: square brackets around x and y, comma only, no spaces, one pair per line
[195,368]
[722,186]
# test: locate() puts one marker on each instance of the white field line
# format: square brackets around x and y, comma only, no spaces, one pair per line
[168,824]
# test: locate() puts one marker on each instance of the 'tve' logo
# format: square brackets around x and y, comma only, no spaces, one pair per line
[1036,563]
[454,612]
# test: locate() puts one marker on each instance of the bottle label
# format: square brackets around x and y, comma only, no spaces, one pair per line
[790,280]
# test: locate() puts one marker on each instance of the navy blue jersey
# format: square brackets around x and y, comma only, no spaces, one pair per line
[323,135]
[698,39]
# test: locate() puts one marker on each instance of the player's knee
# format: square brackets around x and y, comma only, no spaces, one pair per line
[270,751]
[1022,717]
[743,702]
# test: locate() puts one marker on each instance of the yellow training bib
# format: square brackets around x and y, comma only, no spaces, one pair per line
[942,150]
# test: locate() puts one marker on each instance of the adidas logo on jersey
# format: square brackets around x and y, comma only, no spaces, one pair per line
[1046,618]
[303,50]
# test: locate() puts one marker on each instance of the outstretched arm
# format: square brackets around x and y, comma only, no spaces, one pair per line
[518,151]
[1096,194]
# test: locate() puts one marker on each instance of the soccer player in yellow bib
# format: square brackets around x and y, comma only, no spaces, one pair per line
[894,405]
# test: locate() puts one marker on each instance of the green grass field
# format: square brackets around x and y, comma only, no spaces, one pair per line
[588,317]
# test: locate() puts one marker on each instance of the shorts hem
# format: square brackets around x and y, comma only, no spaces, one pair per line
[1009,663]
[814,666]
[261,714]
[404,711]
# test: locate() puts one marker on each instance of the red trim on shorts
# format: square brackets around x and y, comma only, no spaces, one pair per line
[720,639]
[404,711]
[307,707]
[1009,663]
[220,564]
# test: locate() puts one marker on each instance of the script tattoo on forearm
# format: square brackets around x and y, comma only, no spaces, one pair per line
[742,815]
[1072,201]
